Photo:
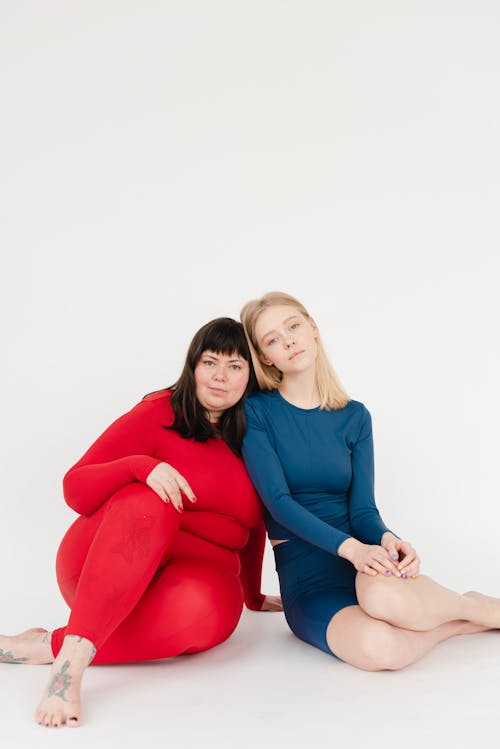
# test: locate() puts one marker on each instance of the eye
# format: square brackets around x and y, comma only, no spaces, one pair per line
[236,366]
[208,362]
[295,325]
[271,341]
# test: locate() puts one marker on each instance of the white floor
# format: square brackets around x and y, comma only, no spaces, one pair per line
[264,687]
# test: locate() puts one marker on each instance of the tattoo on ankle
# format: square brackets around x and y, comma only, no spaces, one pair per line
[8,657]
[77,637]
[60,682]
[46,639]
[92,654]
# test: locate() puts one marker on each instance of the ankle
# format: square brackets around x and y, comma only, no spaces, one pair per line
[78,650]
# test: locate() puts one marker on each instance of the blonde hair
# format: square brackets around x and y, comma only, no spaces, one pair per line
[332,394]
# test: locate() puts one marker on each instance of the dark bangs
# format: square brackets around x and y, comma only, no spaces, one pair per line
[224,338]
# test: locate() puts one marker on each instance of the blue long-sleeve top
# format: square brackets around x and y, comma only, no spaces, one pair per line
[313,470]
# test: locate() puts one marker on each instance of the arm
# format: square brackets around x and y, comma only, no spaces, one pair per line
[365,519]
[122,454]
[267,474]
[251,556]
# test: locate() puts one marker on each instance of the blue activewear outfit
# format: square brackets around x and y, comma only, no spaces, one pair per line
[313,470]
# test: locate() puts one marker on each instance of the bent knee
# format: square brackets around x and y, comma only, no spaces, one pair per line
[137,500]
[380,649]
[204,593]
[385,598]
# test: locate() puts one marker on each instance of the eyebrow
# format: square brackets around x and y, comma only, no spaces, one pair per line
[214,356]
[275,331]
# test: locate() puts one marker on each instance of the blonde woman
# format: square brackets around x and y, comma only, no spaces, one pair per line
[349,585]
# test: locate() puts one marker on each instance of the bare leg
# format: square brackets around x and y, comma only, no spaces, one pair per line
[32,647]
[422,604]
[374,645]
[61,702]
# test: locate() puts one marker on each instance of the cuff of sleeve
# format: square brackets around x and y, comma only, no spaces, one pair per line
[142,465]
[256,603]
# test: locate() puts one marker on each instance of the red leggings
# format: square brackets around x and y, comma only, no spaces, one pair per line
[139,588]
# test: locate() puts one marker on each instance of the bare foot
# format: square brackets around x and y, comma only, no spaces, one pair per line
[61,701]
[32,646]
[488,611]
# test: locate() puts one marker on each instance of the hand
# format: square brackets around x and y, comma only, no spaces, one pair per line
[169,484]
[367,558]
[403,553]
[272,603]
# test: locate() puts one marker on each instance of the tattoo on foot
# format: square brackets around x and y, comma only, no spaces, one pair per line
[92,654]
[60,682]
[8,657]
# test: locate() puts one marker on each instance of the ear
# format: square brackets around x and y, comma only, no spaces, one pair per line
[264,360]
[314,327]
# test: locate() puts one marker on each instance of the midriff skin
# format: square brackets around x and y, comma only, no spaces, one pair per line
[281,541]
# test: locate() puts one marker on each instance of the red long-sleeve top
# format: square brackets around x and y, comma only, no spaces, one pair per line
[228,512]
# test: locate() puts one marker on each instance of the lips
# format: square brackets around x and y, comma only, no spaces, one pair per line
[294,355]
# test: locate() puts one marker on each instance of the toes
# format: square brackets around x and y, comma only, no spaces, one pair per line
[73,721]
[56,720]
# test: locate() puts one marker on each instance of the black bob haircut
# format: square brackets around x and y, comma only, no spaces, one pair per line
[222,336]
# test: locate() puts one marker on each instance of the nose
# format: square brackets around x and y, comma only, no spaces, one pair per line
[219,374]
[289,341]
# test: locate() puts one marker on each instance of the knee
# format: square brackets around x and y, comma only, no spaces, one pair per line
[380,649]
[385,599]
[207,598]
[137,502]
[137,516]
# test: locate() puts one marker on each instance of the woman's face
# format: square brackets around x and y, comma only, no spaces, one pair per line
[221,380]
[286,339]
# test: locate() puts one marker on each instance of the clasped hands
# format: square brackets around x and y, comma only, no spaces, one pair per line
[392,557]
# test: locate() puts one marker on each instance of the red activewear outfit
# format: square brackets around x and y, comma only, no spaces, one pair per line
[144,581]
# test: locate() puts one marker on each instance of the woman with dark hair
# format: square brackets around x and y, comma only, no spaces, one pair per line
[146,573]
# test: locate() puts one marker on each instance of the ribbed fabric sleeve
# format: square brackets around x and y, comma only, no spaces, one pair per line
[268,477]
[121,454]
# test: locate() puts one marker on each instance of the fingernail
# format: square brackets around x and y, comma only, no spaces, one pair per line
[399,566]
[394,557]
[387,572]
[372,572]
[413,577]
[404,575]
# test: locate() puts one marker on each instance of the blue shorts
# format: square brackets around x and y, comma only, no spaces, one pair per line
[314,585]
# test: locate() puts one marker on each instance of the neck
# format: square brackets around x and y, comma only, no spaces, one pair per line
[301,389]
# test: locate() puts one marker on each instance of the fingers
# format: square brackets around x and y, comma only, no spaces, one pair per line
[378,562]
[169,485]
[392,551]
[410,562]
[185,488]
[168,491]
[272,603]
[382,563]
[412,569]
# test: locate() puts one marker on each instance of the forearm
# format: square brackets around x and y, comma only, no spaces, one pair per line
[251,558]
[86,487]
[368,526]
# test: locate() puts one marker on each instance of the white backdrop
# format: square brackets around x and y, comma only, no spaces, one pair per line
[163,162]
